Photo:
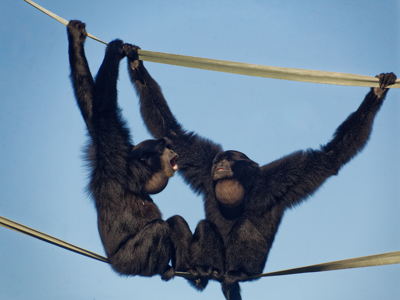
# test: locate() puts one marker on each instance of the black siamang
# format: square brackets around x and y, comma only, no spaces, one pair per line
[244,203]
[136,240]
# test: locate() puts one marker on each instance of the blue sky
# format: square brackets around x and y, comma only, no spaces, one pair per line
[43,178]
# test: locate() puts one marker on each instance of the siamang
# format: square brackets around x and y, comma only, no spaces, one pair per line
[136,240]
[244,203]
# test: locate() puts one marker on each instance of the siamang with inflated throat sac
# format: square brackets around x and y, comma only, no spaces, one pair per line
[244,203]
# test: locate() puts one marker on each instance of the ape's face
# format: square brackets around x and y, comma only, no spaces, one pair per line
[226,163]
[230,171]
[157,156]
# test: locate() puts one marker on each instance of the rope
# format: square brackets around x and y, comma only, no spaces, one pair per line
[389,258]
[244,68]
[48,238]
[358,262]
[59,19]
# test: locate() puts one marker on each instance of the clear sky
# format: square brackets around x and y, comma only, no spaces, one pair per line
[43,178]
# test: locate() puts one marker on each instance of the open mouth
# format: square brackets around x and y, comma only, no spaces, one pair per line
[220,169]
[173,163]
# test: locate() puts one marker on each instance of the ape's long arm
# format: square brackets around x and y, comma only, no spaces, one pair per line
[352,135]
[81,77]
[298,175]
[195,153]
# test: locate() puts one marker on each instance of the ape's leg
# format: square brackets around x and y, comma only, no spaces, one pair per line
[181,237]
[207,254]
[246,253]
[147,253]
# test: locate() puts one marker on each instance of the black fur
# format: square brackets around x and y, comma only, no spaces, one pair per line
[247,226]
[136,240]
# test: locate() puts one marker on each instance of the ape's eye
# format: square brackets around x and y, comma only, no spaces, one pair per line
[146,156]
[149,155]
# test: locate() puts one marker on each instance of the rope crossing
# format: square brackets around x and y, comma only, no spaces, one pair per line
[244,68]
[388,258]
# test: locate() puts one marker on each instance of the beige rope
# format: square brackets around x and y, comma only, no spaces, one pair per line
[262,71]
[358,262]
[59,19]
[246,69]
[388,258]
[48,238]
